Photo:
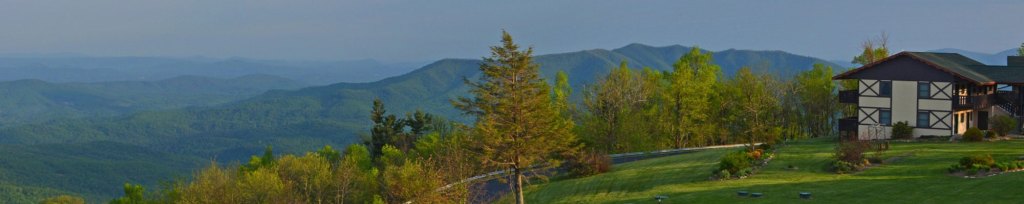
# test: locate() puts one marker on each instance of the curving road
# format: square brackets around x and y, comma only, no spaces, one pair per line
[491,189]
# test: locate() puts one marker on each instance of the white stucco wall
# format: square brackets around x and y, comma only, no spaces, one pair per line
[904,105]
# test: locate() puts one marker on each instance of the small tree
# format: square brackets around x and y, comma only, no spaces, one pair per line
[518,125]
[1003,124]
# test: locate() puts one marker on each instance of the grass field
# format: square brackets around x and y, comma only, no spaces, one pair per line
[919,176]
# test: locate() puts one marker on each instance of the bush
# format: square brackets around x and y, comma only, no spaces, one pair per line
[589,163]
[990,134]
[755,155]
[1003,124]
[765,146]
[745,172]
[734,162]
[843,167]
[977,160]
[852,151]
[724,174]
[973,135]
[902,130]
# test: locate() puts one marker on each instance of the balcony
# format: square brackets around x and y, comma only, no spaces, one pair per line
[973,102]
[849,96]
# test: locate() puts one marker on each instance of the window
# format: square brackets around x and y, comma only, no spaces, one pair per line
[885,117]
[924,90]
[922,119]
[886,88]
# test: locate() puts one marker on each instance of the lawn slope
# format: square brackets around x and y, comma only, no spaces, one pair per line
[918,176]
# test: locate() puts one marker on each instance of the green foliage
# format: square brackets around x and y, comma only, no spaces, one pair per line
[63,199]
[1003,124]
[1020,51]
[330,154]
[691,85]
[981,160]
[133,194]
[618,115]
[902,130]
[973,134]
[873,50]
[849,156]
[734,162]
[817,100]
[757,105]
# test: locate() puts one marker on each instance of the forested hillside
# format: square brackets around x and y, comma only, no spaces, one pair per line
[29,101]
[296,121]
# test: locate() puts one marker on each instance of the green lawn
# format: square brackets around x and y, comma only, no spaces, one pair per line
[920,177]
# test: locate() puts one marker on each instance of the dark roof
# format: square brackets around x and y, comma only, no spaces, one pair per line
[1001,74]
[957,65]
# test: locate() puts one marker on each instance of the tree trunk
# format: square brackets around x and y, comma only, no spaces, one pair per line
[518,190]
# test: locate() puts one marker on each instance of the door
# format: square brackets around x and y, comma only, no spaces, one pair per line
[983,120]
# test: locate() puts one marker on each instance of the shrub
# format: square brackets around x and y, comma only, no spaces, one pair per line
[765,146]
[1003,166]
[724,174]
[973,135]
[977,160]
[972,171]
[745,172]
[990,134]
[852,151]
[1003,124]
[902,130]
[756,154]
[734,162]
[843,167]
[588,163]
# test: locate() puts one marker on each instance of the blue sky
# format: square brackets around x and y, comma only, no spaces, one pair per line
[429,30]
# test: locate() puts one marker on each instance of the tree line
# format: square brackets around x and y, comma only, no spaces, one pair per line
[695,105]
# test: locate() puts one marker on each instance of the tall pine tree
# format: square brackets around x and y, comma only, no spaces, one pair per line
[518,126]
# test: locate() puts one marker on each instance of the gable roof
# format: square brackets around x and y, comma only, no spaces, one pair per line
[955,64]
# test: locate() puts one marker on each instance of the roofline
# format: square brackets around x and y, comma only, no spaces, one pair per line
[905,53]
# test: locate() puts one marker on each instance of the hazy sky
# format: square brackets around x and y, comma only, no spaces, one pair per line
[428,30]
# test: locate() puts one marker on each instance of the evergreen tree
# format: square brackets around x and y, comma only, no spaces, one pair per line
[517,127]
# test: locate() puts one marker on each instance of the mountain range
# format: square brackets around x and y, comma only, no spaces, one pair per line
[76,68]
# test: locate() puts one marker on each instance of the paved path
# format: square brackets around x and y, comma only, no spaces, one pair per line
[492,188]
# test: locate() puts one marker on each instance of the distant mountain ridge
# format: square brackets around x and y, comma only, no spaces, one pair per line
[71,68]
[307,118]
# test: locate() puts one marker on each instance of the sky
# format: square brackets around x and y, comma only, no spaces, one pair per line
[430,30]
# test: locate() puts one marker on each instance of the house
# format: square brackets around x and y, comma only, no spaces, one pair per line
[938,94]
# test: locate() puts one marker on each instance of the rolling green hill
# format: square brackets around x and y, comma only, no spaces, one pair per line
[305,119]
[915,173]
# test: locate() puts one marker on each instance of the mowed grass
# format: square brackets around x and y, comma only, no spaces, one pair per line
[919,176]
